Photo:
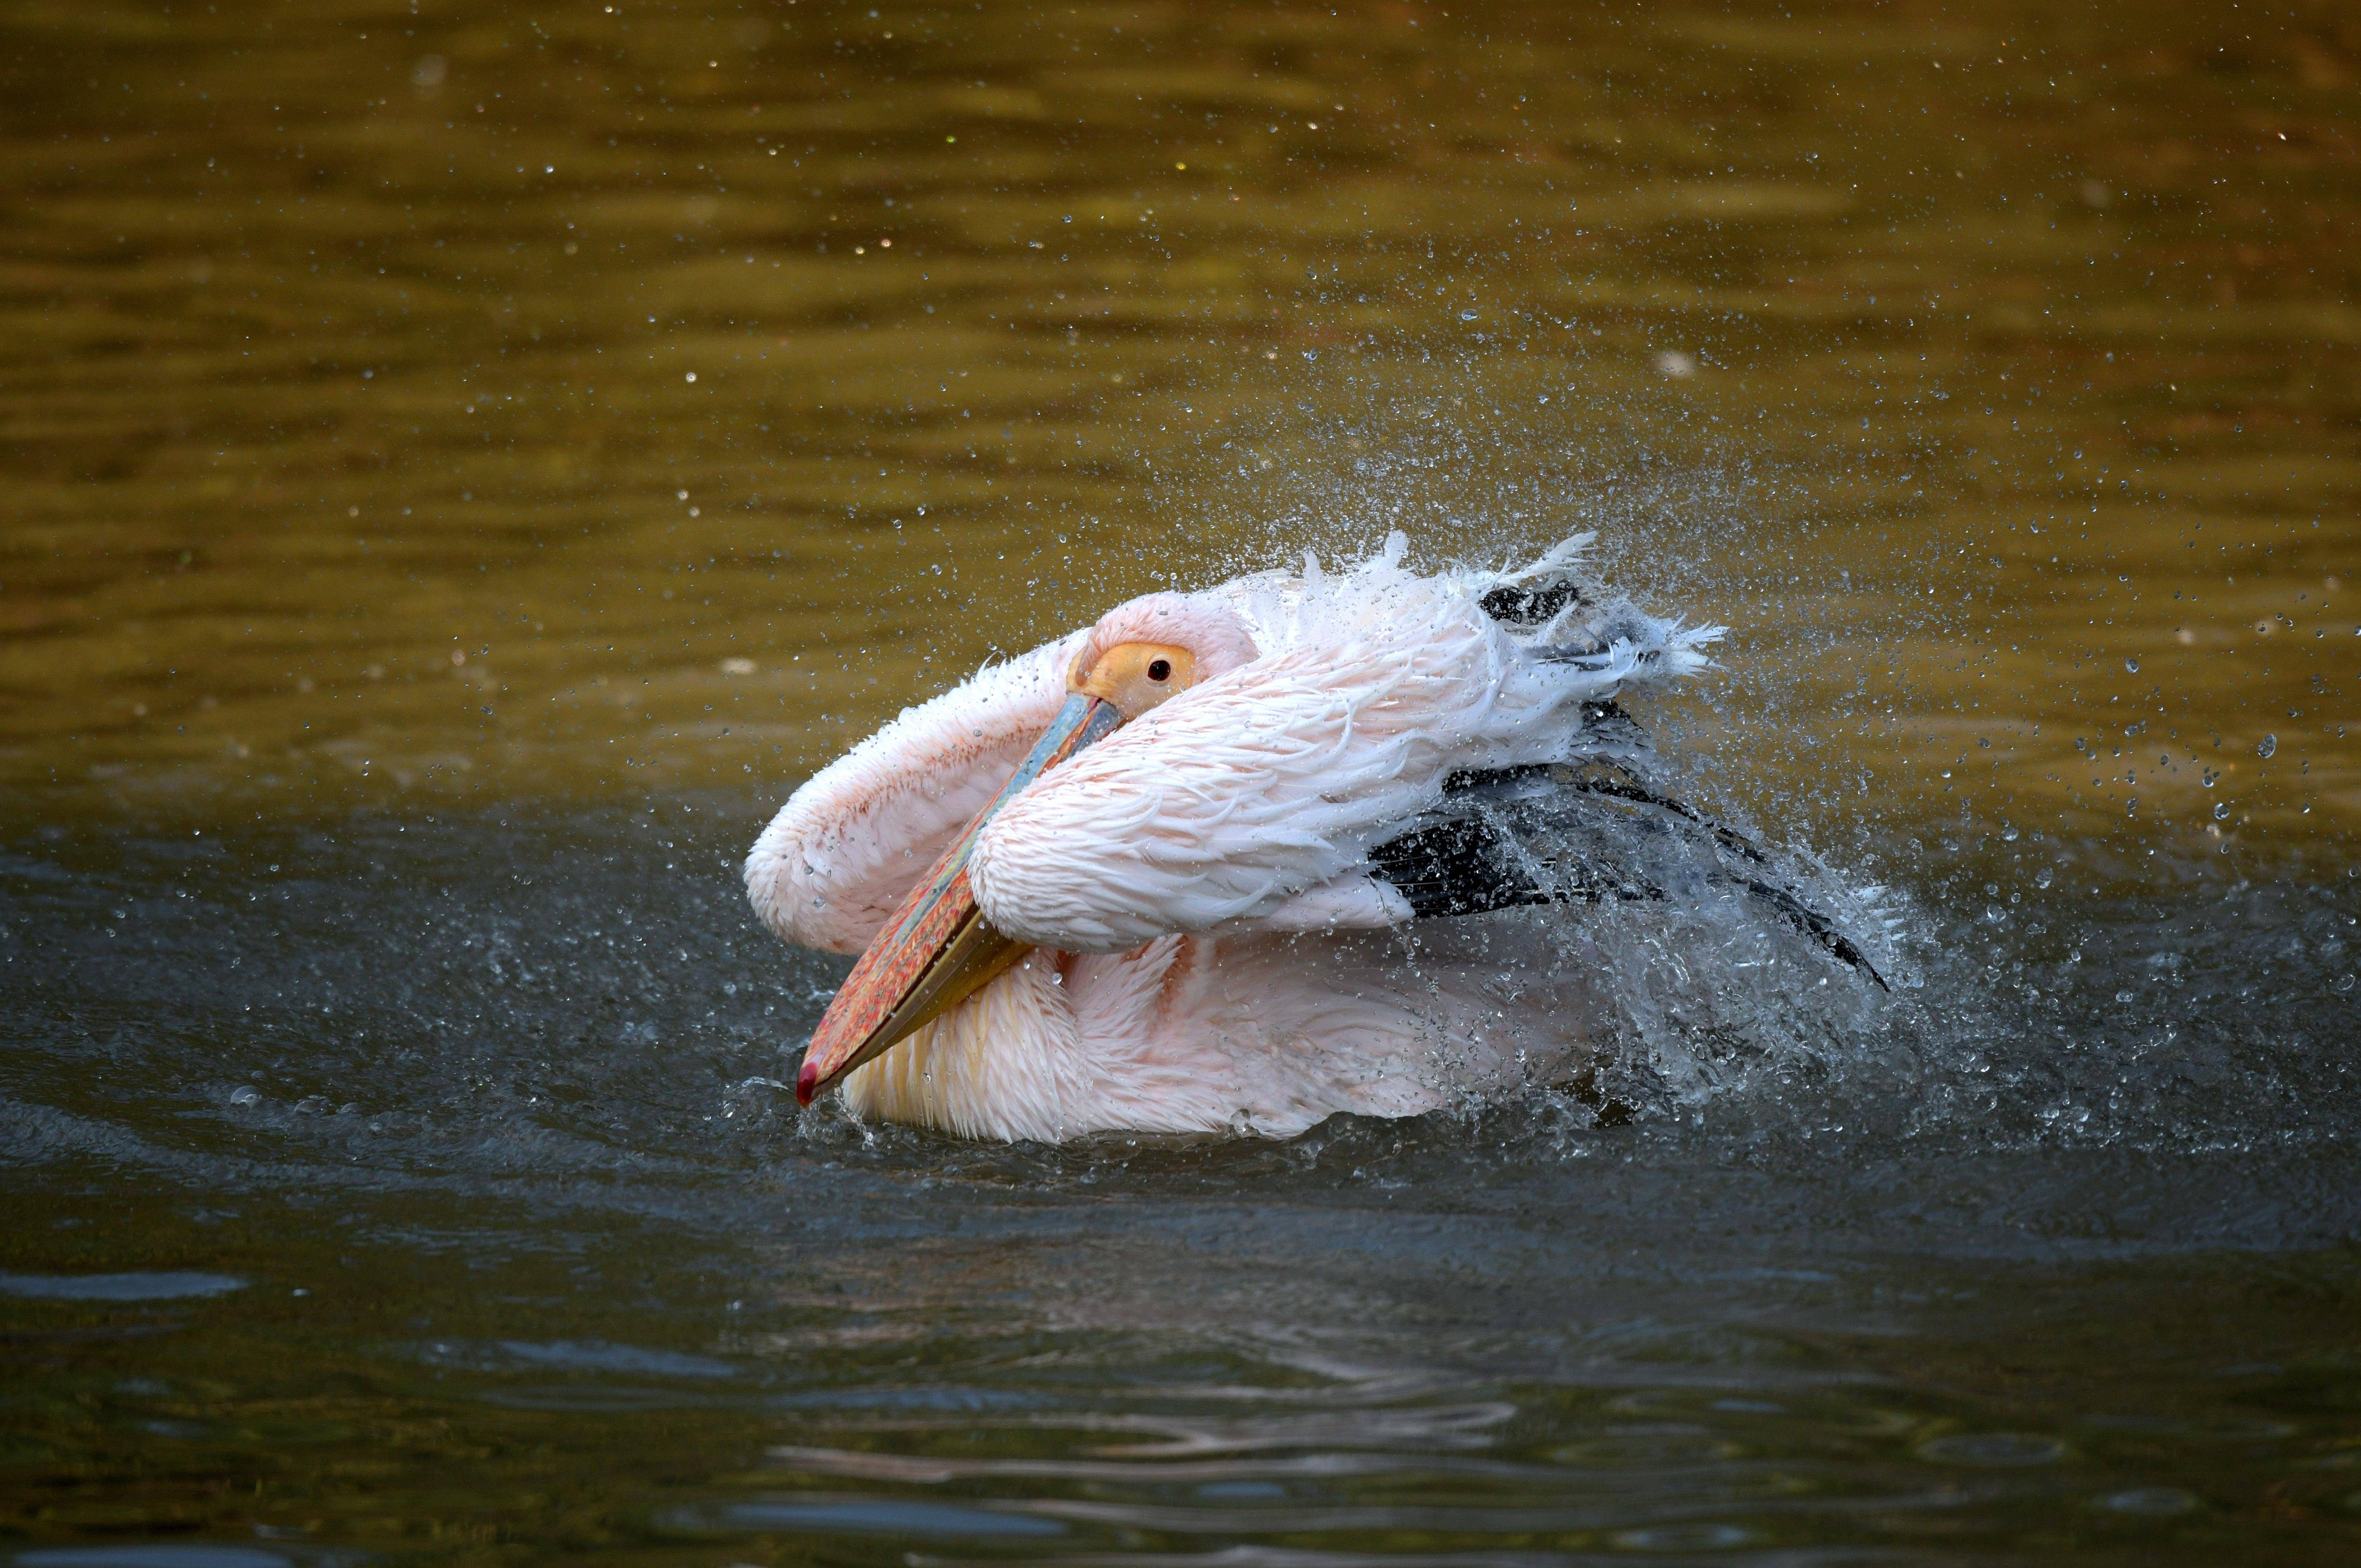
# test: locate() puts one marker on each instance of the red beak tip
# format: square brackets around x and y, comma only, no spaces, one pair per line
[806,1083]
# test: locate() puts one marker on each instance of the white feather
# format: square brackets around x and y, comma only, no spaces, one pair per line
[860,832]
[1372,686]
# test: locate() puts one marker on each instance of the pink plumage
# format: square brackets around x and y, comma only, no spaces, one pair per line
[1211,949]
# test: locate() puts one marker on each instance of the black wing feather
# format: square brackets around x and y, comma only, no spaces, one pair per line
[1506,838]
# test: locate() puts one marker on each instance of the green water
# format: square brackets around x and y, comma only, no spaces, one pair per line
[343,342]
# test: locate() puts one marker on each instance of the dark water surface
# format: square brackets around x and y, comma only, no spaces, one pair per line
[398,648]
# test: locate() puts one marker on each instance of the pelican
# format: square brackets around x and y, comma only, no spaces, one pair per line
[1245,858]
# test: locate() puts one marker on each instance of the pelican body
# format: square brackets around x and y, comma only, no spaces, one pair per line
[1228,859]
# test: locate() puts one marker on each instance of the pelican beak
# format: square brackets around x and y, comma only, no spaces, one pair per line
[935,948]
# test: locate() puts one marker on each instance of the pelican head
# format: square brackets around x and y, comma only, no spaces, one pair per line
[936,948]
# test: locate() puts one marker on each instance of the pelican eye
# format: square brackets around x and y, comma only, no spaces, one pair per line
[1136,676]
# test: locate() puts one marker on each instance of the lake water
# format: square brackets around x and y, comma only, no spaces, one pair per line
[465,466]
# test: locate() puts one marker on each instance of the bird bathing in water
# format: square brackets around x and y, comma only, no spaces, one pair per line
[1246,858]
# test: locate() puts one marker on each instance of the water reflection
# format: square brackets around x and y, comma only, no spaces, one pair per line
[859,1516]
[131,1555]
[163,1287]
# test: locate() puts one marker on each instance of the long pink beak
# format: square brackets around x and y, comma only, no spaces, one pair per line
[935,949]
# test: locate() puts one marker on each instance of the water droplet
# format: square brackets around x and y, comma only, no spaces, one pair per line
[2220,809]
[2046,877]
[2270,743]
[247,1095]
[2132,664]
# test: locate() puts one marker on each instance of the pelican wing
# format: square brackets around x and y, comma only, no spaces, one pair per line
[1270,781]
[1587,833]
[859,833]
